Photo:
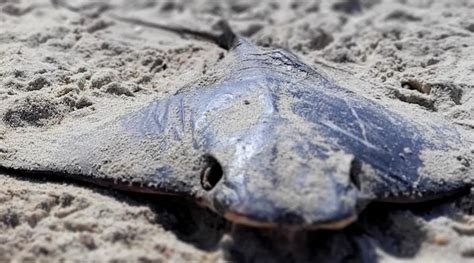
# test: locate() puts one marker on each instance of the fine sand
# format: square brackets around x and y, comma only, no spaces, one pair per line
[60,66]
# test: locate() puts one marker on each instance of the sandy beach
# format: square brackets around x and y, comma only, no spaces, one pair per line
[83,68]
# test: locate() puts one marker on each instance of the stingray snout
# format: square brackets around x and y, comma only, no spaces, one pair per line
[264,194]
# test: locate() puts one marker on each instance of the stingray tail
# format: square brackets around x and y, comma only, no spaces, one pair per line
[226,39]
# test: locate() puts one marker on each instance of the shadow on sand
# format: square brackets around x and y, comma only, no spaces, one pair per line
[389,229]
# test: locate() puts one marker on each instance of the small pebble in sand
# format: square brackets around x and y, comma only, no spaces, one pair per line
[414,84]
[440,239]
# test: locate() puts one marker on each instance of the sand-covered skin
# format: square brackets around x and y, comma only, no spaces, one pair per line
[57,66]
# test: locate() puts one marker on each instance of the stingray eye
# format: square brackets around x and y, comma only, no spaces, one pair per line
[211,174]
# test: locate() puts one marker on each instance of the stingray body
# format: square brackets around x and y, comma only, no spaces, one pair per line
[267,141]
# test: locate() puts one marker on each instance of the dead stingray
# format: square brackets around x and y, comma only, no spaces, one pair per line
[264,140]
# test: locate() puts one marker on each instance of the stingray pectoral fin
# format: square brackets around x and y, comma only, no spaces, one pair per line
[400,157]
[432,171]
[443,172]
[108,154]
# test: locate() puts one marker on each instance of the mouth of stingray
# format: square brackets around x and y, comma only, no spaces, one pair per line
[241,219]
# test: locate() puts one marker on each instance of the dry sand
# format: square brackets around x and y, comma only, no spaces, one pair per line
[58,66]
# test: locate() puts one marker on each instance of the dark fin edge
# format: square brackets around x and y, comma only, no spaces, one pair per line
[60,176]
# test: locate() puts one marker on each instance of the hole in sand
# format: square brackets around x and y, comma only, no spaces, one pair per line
[211,173]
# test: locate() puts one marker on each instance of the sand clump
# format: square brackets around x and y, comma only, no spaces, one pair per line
[58,66]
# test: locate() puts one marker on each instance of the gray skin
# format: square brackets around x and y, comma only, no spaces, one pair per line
[269,142]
